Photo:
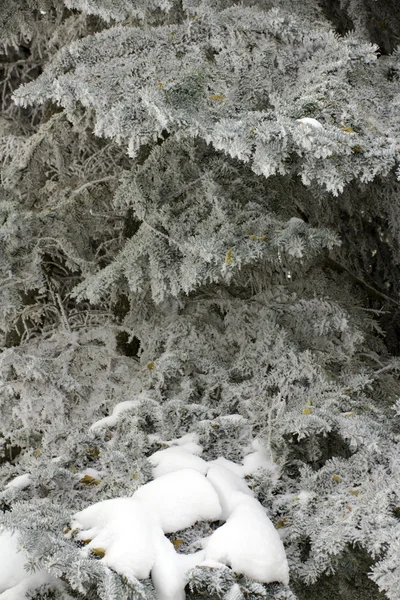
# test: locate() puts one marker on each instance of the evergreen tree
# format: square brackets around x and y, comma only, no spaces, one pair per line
[199,256]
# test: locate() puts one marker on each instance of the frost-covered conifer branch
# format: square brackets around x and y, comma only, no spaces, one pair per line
[166,315]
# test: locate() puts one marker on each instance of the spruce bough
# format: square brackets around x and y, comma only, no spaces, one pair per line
[199,256]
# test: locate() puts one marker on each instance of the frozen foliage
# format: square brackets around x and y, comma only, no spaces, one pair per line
[199,324]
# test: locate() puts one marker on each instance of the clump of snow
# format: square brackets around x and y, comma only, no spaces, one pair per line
[304,496]
[311,122]
[249,543]
[126,530]
[174,459]
[180,499]
[190,441]
[134,544]
[21,482]
[235,418]
[14,579]
[259,459]
[186,489]
[112,420]
[93,473]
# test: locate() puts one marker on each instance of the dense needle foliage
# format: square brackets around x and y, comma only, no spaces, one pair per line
[199,211]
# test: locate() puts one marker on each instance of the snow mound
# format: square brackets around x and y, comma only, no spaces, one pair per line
[186,489]
[249,543]
[176,458]
[21,482]
[125,530]
[180,499]
[112,420]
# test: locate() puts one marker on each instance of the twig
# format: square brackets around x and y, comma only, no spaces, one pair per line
[369,288]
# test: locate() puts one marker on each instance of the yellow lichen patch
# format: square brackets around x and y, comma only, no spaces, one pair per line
[178,542]
[349,507]
[150,366]
[354,492]
[348,130]
[73,469]
[348,414]
[336,478]
[228,257]
[357,149]
[36,452]
[100,552]
[281,523]
[216,97]
[74,532]
[66,530]
[89,480]
[307,411]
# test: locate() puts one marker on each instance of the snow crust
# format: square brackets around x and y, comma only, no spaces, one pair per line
[21,482]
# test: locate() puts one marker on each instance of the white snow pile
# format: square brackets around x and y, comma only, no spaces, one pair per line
[20,482]
[111,421]
[15,582]
[129,532]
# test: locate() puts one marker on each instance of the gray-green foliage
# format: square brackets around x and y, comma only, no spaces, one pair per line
[158,188]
